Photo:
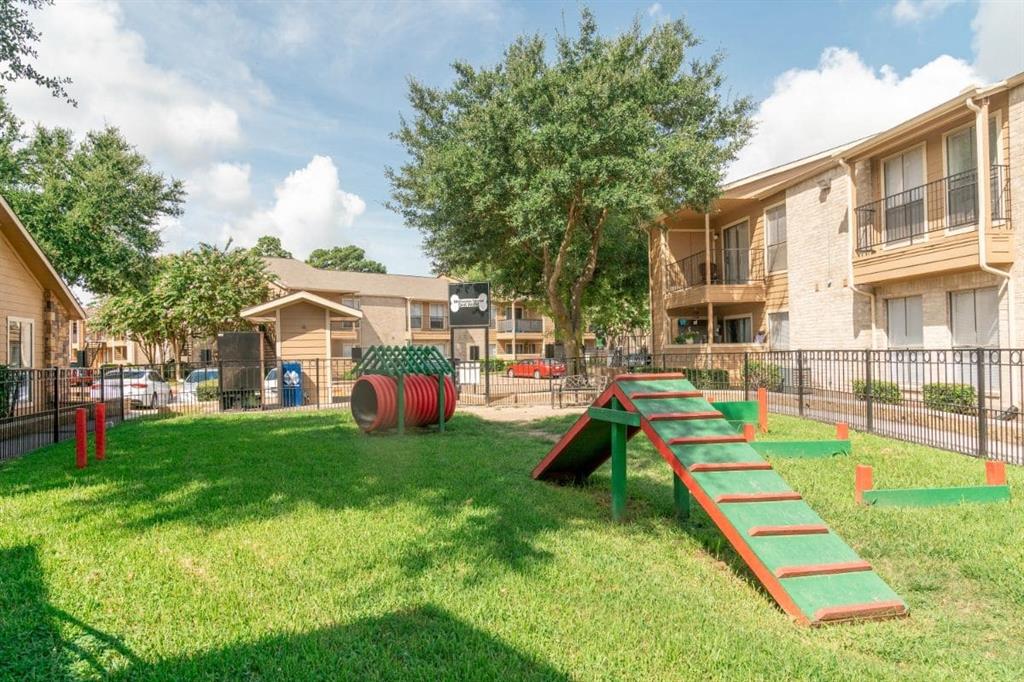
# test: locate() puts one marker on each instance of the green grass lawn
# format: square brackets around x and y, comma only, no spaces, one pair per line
[291,547]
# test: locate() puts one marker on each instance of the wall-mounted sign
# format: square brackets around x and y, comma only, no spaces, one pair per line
[469,304]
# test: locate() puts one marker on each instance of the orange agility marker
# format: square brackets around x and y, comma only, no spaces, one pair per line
[81,457]
[101,432]
[842,431]
[748,433]
[995,473]
[862,482]
[762,409]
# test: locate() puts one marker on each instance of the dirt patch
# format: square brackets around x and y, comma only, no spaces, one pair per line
[520,413]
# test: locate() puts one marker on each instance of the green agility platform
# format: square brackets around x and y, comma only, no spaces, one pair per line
[802,449]
[810,572]
[994,490]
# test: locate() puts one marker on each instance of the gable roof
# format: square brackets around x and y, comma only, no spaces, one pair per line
[295,275]
[36,261]
[300,297]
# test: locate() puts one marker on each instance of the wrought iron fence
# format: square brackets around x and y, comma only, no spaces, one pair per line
[966,400]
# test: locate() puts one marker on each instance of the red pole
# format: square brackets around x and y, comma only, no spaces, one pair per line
[995,473]
[762,408]
[863,481]
[842,431]
[81,457]
[101,432]
[748,432]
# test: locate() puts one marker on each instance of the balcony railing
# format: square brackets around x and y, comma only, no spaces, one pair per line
[728,266]
[522,326]
[946,204]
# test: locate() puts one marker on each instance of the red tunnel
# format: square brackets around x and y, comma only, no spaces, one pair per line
[375,401]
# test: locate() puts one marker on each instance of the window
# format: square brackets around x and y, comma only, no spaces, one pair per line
[775,225]
[416,316]
[778,330]
[737,330]
[736,254]
[437,316]
[474,353]
[904,196]
[19,352]
[974,317]
[494,350]
[962,175]
[906,322]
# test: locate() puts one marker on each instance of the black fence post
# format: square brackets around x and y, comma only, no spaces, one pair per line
[120,390]
[982,421]
[869,417]
[746,375]
[800,381]
[56,404]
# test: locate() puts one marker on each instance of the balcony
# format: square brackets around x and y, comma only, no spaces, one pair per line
[521,326]
[737,276]
[931,229]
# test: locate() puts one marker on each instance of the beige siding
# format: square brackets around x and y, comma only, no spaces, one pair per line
[20,296]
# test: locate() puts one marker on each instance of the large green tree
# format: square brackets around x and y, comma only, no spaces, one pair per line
[194,294]
[350,258]
[94,206]
[270,247]
[542,168]
[18,37]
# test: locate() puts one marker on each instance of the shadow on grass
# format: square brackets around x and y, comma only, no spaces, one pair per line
[40,642]
[213,473]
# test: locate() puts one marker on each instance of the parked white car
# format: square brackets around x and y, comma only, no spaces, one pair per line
[194,378]
[270,386]
[142,387]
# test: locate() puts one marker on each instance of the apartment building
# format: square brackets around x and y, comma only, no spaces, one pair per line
[887,242]
[521,331]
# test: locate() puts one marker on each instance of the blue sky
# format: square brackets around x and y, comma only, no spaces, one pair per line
[278,115]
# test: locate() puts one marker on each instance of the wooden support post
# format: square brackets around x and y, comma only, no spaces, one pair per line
[748,432]
[101,431]
[842,431]
[995,473]
[681,498]
[862,482]
[618,437]
[440,402]
[81,456]
[401,404]
[762,409]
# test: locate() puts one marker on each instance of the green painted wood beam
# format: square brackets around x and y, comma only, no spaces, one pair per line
[618,446]
[936,497]
[802,449]
[603,414]
[681,498]
[742,411]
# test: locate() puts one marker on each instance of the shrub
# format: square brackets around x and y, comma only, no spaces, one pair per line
[494,365]
[707,378]
[208,390]
[764,375]
[957,398]
[8,391]
[887,392]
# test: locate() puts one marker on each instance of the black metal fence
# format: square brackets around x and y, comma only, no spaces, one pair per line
[965,400]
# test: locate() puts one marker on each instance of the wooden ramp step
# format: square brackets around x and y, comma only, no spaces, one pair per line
[683,416]
[710,439]
[729,466]
[733,498]
[821,569]
[795,529]
[869,610]
[665,395]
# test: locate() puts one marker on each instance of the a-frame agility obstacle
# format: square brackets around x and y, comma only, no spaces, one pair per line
[813,575]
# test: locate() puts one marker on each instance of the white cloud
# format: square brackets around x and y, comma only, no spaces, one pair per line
[999,39]
[654,10]
[811,110]
[915,11]
[310,210]
[160,111]
[225,185]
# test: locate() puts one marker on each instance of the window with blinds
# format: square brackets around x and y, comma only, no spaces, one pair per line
[778,330]
[906,322]
[775,228]
[974,317]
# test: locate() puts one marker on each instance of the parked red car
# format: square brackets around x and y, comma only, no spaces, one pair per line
[80,376]
[538,369]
